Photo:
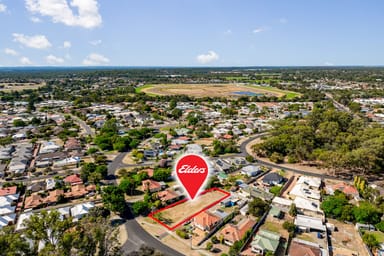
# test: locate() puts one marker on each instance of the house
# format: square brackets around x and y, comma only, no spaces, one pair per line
[73,179]
[33,201]
[152,186]
[194,149]
[265,241]
[169,196]
[253,192]
[50,183]
[75,160]
[20,225]
[38,186]
[206,220]
[48,147]
[79,210]
[272,179]
[54,196]
[233,233]
[222,165]
[307,223]
[6,220]
[72,144]
[300,247]
[347,189]
[311,182]
[304,205]
[8,191]
[282,203]
[303,190]
[250,170]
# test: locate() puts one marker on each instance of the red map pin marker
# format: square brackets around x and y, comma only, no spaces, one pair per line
[192,172]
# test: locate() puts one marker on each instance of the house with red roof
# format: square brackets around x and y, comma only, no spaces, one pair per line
[206,221]
[347,189]
[152,186]
[169,196]
[73,179]
[233,233]
[8,191]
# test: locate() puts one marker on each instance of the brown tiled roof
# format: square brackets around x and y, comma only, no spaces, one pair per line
[78,190]
[33,201]
[73,179]
[8,191]
[167,195]
[53,196]
[234,233]
[152,184]
[206,219]
[299,249]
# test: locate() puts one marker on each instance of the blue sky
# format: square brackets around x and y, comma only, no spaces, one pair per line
[191,32]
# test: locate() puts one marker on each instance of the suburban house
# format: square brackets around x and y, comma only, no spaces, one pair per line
[250,170]
[308,224]
[300,247]
[206,220]
[169,196]
[73,179]
[272,179]
[265,241]
[233,233]
[79,210]
[347,189]
[152,186]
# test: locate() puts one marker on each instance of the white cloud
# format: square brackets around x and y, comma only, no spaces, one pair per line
[53,60]
[67,44]
[25,61]
[35,19]
[81,13]
[95,42]
[259,30]
[208,57]
[10,52]
[95,59]
[228,32]
[283,20]
[3,7]
[36,41]
[327,63]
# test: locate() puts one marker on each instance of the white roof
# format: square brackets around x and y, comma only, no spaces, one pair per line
[281,201]
[309,181]
[5,201]
[250,168]
[194,149]
[4,220]
[303,190]
[307,204]
[7,210]
[310,222]
[20,222]
[79,210]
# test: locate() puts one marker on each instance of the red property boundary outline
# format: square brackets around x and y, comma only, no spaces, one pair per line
[152,215]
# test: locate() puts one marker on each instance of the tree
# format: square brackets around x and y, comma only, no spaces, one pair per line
[140,207]
[276,158]
[12,243]
[113,199]
[49,228]
[19,123]
[370,240]
[333,205]
[128,185]
[257,207]
[289,226]
[161,174]
[293,210]
[367,213]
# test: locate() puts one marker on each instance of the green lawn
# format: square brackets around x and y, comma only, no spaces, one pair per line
[270,226]
[378,235]
[139,89]
[289,94]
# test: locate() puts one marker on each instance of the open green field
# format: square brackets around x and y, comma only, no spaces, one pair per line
[214,90]
[8,87]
